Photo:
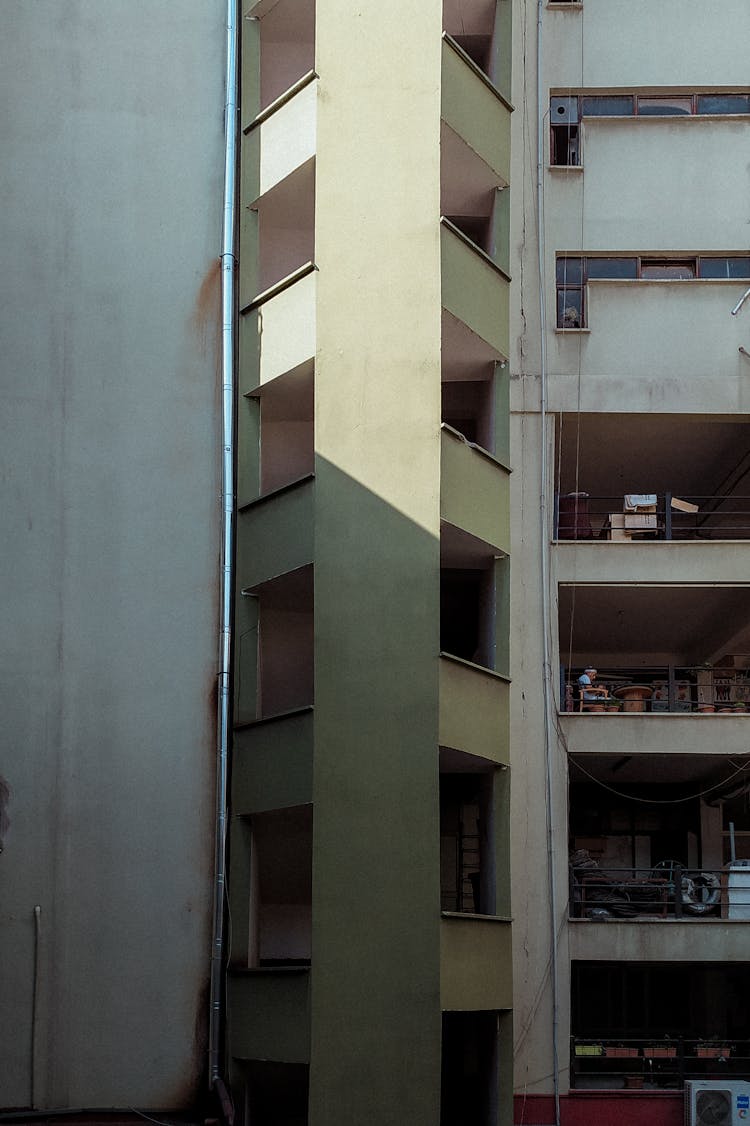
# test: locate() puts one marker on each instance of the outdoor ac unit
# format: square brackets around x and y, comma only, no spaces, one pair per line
[563,111]
[717,1103]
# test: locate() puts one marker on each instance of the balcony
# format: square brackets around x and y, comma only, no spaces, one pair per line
[474,491]
[658,647]
[475,963]
[269,1014]
[717,517]
[474,710]
[280,139]
[474,289]
[653,1063]
[274,669]
[695,468]
[280,35]
[272,763]
[660,1021]
[475,110]
[652,837]
[666,891]
[275,534]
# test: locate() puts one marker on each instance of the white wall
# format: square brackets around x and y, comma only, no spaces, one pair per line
[111,186]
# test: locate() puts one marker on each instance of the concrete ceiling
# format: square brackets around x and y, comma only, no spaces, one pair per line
[621,626]
[618,770]
[687,455]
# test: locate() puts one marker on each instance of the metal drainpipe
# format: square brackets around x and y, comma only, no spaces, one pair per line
[224,703]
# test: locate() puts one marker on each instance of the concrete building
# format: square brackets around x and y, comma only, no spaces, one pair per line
[368,941]
[111,473]
[369,976]
[630,401]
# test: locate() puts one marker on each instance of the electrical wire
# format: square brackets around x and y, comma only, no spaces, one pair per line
[545,551]
[658,801]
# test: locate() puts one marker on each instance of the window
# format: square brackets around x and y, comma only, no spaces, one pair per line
[573,273]
[566,113]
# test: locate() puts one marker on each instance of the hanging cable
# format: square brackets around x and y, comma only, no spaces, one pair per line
[659,801]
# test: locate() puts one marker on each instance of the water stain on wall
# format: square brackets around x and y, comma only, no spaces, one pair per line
[4,802]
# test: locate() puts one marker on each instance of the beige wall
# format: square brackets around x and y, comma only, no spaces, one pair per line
[611,43]
[645,185]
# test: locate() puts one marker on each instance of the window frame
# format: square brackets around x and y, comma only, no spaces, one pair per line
[580,287]
[558,129]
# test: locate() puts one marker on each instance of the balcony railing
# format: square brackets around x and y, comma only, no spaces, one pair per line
[655,1062]
[665,891]
[579,516]
[662,689]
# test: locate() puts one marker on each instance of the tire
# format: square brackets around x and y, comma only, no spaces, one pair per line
[702,894]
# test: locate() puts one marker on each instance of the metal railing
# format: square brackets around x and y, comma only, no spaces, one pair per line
[665,891]
[659,1061]
[693,688]
[586,517]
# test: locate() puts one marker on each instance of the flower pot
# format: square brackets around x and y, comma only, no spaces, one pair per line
[633,1082]
[706,708]
[660,1053]
[712,1053]
[622,1053]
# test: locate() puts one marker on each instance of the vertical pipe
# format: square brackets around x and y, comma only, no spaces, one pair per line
[227,496]
[35,1002]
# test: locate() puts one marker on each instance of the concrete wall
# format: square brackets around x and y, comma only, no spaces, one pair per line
[664,186]
[109,620]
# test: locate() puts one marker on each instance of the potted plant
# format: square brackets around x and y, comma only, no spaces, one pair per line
[589,1049]
[712,1050]
[620,1052]
[660,1051]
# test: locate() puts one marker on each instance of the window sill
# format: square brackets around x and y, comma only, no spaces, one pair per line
[572,331]
[565,168]
[561,6]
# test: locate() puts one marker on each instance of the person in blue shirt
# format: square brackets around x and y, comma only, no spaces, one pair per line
[589,691]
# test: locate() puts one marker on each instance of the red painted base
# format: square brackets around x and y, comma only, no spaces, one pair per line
[602,1108]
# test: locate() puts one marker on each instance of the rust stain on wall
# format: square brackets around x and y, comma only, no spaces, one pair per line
[4,802]
[205,321]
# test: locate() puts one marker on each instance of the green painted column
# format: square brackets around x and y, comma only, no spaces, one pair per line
[375,1005]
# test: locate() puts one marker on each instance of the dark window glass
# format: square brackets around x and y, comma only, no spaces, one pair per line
[570,308]
[607,106]
[612,267]
[674,270]
[570,270]
[725,268]
[723,103]
[665,107]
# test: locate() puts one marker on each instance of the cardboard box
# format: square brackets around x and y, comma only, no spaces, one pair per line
[640,521]
[683,505]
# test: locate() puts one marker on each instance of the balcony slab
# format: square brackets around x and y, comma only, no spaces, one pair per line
[652,561]
[475,963]
[474,491]
[474,710]
[673,733]
[658,940]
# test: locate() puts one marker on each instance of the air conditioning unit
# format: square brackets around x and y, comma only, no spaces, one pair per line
[717,1103]
[563,111]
